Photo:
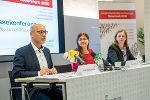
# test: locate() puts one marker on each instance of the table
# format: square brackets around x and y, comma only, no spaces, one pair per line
[131,84]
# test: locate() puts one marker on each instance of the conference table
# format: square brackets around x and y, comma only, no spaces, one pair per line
[129,84]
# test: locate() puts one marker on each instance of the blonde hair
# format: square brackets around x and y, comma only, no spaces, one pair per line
[116,42]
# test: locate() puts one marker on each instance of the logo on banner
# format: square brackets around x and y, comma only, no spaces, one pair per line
[42,3]
[115,98]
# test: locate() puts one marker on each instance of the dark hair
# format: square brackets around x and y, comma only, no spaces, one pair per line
[79,48]
[126,41]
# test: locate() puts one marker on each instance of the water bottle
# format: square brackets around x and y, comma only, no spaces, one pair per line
[99,60]
[139,58]
[101,65]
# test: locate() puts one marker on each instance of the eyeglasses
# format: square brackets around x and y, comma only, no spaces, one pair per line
[42,32]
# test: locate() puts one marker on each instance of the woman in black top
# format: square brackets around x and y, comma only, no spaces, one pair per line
[119,50]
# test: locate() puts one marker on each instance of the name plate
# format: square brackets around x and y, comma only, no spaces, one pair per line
[89,69]
[133,64]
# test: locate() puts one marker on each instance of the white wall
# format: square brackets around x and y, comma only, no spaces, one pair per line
[146,29]
[140,20]
[81,8]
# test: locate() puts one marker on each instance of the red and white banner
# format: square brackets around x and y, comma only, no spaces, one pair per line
[117,14]
[43,3]
[114,16]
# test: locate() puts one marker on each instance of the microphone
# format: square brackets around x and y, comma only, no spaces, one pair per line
[74,54]
[93,54]
[68,57]
[98,59]
[106,63]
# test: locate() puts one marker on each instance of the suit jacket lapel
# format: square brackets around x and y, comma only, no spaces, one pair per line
[34,56]
[46,55]
[120,52]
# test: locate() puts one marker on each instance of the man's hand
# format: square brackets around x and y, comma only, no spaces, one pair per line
[46,70]
[53,71]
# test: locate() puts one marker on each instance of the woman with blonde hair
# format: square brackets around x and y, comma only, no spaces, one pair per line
[119,50]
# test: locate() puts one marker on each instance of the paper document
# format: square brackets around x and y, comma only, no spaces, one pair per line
[57,76]
[27,78]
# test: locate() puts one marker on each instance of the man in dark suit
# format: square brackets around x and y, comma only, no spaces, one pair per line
[35,60]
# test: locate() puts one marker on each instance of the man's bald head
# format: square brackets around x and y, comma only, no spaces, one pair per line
[35,27]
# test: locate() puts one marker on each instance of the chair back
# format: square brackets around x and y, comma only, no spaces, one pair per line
[12,81]
[63,68]
[12,84]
